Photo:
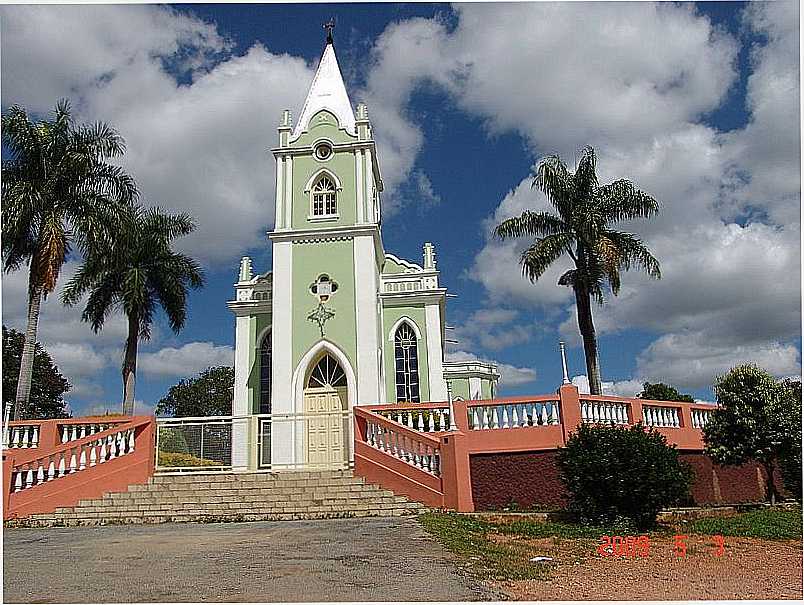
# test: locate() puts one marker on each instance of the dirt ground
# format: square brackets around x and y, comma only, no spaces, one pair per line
[747,569]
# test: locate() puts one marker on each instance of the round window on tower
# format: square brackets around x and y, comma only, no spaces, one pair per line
[323,151]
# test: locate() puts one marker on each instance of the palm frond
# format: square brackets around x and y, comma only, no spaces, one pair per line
[539,256]
[533,224]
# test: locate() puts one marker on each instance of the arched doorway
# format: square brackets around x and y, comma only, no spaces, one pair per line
[325,404]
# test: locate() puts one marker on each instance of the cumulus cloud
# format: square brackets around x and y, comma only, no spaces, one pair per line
[510,376]
[197,120]
[186,360]
[623,388]
[728,232]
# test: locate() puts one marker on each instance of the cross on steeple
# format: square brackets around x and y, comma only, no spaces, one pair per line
[329,26]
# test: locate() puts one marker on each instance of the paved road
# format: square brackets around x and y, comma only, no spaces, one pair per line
[379,559]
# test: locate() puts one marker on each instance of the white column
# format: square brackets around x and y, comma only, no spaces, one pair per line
[435,354]
[240,407]
[279,222]
[359,186]
[475,390]
[288,201]
[368,340]
[282,395]
[373,213]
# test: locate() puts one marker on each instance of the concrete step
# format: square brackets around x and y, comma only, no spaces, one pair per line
[234,497]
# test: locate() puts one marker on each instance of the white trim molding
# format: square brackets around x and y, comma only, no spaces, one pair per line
[435,354]
[399,322]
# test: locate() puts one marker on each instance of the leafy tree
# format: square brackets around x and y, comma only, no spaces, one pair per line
[614,473]
[758,419]
[137,271]
[659,391]
[582,230]
[208,394]
[48,387]
[790,457]
[58,190]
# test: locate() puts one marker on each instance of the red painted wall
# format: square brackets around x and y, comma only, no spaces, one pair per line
[530,479]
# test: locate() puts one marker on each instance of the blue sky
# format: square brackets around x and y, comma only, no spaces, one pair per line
[697,104]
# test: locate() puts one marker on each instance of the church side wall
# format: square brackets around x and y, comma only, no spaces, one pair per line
[391,316]
[257,329]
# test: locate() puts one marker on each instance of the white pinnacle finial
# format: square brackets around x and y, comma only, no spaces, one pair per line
[566,379]
[429,256]
[245,269]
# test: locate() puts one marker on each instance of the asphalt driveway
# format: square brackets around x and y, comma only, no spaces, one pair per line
[364,559]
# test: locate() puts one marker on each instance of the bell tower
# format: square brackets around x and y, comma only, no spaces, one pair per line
[327,247]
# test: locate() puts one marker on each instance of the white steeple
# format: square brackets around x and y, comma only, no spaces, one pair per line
[327,92]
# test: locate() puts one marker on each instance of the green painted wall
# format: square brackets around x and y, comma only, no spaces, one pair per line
[392,267]
[460,388]
[390,317]
[336,259]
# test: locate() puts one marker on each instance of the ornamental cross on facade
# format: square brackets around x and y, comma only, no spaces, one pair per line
[321,315]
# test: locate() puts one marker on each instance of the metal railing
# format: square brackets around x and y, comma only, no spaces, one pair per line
[264,441]
[199,443]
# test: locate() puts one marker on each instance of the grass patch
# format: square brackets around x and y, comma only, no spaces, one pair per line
[468,538]
[764,523]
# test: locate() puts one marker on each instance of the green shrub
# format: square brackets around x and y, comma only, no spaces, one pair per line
[172,441]
[617,475]
[171,459]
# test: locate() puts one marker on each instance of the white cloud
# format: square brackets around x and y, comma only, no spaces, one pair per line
[623,388]
[187,360]
[692,361]
[197,146]
[510,376]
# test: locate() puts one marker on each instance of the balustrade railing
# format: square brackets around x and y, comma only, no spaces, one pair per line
[661,416]
[700,417]
[23,436]
[72,459]
[604,412]
[423,419]
[420,451]
[520,414]
[74,432]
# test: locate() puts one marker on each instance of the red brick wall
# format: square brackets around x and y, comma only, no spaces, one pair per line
[530,479]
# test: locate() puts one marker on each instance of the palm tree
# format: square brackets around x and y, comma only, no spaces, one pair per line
[582,230]
[58,190]
[137,271]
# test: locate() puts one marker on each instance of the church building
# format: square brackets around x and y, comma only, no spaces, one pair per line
[338,321]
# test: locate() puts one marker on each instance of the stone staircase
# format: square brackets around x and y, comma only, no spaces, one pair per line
[210,498]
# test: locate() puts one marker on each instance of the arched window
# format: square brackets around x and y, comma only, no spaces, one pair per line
[406,362]
[324,197]
[265,374]
[327,373]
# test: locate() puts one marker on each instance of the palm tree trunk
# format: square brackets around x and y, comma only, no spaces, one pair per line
[583,303]
[29,348]
[130,364]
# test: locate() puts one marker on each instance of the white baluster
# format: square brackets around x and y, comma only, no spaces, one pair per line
[83,431]
[553,412]
[62,465]
[102,451]
[112,447]
[18,481]
[35,436]
[51,470]
[130,440]
[73,464]
[40,474]
[484,414]
[82,461]
[29,478]
[25,437]
[421,421]
[75,433]
[543,415]
[64,437]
